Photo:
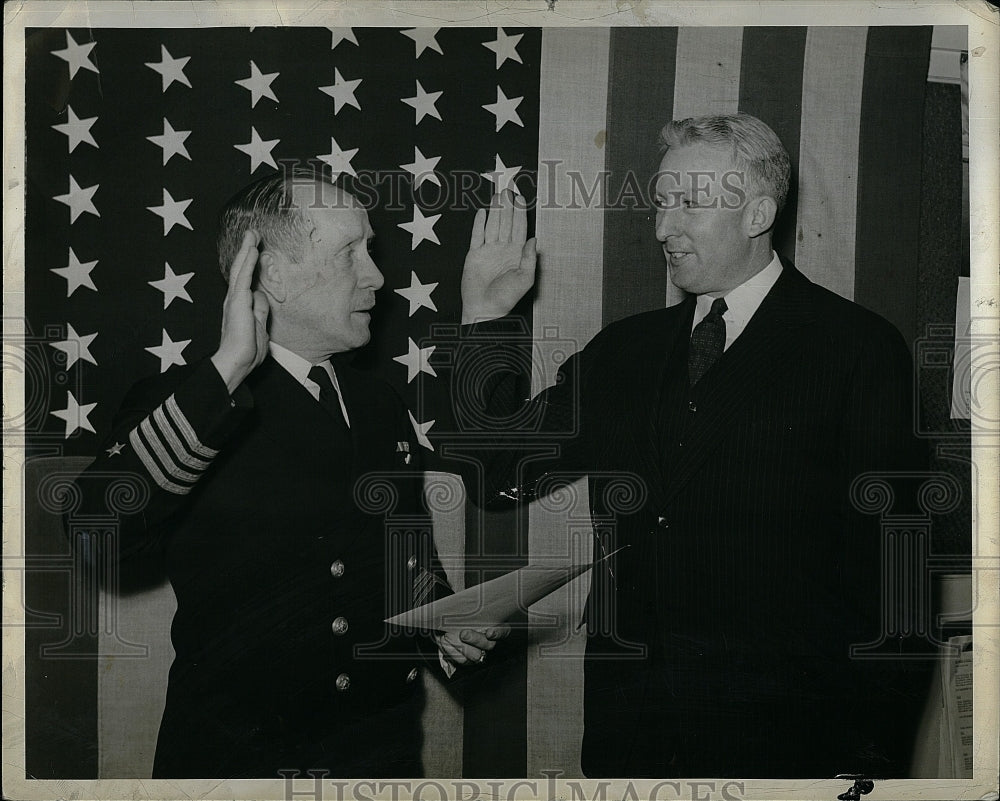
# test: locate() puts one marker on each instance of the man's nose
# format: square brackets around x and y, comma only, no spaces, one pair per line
[371,276]
[666,224]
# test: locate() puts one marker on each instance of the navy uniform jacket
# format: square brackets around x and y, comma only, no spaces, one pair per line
[719,637]
[287,541]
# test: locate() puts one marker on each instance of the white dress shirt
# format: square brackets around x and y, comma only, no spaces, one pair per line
[742,301]
[299,369]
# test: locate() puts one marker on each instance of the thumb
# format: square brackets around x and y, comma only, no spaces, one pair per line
[529,255]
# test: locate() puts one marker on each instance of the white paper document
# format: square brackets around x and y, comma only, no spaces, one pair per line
[493,601]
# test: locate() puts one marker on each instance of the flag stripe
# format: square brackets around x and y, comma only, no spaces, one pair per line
[123,673]
[641,74]
[573,108]
[832,77]
[708,71]
[889,164]
[567,313]
[443,719]
[771,89]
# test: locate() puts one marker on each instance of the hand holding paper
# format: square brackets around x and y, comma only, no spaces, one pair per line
[492,602]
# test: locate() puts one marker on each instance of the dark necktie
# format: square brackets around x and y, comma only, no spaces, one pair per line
[708,340]
[328,397]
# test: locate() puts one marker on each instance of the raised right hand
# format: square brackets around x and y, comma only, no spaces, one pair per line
[500,265]
[243,344]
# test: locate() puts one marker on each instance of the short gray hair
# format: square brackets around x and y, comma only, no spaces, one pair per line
[266,207]
[756,148]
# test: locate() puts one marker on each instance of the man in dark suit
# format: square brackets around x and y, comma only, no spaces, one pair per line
[720,635]
[281,488]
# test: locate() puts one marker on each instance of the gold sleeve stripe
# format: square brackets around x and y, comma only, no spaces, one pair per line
[152,467]
[175,471]
[181,453]
[181,422]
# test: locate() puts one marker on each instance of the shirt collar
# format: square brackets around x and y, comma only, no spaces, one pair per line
[294,364]
[743,300]
[299,369]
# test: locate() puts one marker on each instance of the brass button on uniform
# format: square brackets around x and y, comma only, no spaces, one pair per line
[337,569]
[692,407]
[412,675]
[343,682]
[661,521]
[339,625]
[411,562]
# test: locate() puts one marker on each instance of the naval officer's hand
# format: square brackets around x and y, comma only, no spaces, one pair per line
[470,646]
[243,344]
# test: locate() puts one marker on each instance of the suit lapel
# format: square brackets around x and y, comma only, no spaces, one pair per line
[367,421]
[293,412]
[292,415]
[643,390]
[746,370]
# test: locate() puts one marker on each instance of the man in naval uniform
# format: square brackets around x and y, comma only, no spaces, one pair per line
[285,500]
[720,635]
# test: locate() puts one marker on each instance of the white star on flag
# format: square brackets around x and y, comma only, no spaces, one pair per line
[342,91]
[423,103]
[76,346]
[423,38]
[79,199]
[171,141]
[76,415]
[421,429]
[422,168]
[76,129]
[172,212]
[169,352]
[77,274]
[259,150]
[339,159]
[418,294]
[416,360]
[172,285]
[342,35]
[505,109]
[77,56]
[421,228]
[259,85]
[171,69]
[505,47]
[503,177]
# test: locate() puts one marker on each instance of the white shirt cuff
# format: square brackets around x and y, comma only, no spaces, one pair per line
[448,668]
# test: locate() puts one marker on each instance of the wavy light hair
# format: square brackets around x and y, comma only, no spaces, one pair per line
[756,149]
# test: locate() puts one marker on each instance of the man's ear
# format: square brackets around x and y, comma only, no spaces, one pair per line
[759,215]
[272,276]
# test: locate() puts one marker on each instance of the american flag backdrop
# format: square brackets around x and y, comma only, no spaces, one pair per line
[136,138]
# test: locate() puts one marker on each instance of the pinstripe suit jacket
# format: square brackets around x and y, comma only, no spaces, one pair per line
[718,638]
[287,542]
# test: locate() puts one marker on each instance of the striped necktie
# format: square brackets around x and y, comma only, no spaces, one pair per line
[708,340]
